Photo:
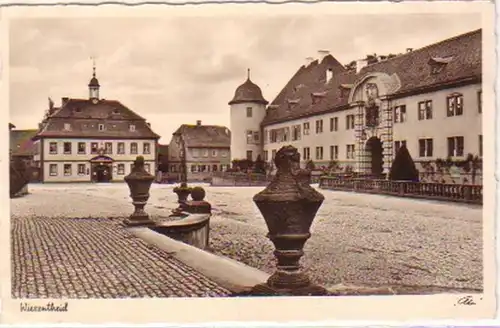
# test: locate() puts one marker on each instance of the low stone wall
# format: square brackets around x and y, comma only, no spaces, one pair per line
[435,191]
[193,230]
[240,179]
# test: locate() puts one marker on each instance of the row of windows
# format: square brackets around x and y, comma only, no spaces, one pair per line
[454,107]
[82,170]
[100,127]
[195,152]
[204,168]
[81,148]
[455,148]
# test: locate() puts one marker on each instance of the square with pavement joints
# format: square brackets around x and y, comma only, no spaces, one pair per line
[228,161]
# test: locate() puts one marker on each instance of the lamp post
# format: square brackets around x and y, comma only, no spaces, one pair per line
[183,190]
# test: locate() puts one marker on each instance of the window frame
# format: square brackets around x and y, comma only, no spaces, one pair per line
[51,172]
[53,151]
[65,165]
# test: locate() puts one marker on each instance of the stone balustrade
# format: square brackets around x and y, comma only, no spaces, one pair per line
[435,191]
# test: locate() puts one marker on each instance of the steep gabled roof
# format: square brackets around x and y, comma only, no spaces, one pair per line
[460,57]
[296,98]
[21,142]
[84,116]
[207,136]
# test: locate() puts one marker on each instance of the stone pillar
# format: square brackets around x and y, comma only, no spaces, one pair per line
[358,137]
[289,205]
[387,134]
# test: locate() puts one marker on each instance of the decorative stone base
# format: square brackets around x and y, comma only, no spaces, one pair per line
[138,222]
[266,290]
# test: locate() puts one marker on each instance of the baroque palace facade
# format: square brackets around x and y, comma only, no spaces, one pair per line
[428,99]
[93,140]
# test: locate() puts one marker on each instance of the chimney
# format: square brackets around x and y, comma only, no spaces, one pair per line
[409,49]
[360,64]
[149,124]
[64,100]
[322,54]
[198,123]
[309,61]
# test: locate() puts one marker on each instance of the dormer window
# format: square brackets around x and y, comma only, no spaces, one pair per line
[329,75]
[438,64]
[67,127]
[344,90]
[101,127]
[317,96]
[116,111]
[292,103]
[78,110]
[131,127]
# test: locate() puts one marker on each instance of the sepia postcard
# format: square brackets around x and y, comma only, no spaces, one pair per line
[248,162]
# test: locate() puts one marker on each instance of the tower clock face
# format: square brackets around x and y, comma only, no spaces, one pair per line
[95,101]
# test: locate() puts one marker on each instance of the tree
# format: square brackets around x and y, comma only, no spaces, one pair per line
[472,164]
[403,168]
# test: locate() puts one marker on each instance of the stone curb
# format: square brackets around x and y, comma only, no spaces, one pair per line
[230,274]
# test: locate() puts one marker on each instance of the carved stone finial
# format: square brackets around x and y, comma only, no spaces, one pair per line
[138,164]
[289,205]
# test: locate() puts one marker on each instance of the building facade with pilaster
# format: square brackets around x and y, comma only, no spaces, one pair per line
[429,99]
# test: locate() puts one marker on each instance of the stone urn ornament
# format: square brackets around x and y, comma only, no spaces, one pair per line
[182,192]
[289,205]
[139,182]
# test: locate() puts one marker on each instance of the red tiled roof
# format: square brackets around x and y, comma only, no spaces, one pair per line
[84,117]
[21,142]
[207,136]
[296,100]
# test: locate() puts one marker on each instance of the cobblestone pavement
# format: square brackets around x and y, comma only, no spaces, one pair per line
[357,239]
[95,258]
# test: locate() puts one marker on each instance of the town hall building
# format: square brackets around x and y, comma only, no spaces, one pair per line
[93,140]
[429,99]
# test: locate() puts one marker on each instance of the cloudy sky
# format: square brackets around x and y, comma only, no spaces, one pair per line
[179,70]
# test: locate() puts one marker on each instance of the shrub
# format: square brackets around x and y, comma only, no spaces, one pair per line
[403,168]
[310,165]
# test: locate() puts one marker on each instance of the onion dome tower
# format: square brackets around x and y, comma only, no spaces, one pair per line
[247,110]
[94,86]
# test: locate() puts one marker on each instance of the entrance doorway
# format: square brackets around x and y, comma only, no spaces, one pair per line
[374,150]
[102,169]
[102,173]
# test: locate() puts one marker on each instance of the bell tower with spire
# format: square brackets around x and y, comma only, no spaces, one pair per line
[247,110]
[94,85]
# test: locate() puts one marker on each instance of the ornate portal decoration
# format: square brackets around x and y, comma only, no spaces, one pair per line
[371,90]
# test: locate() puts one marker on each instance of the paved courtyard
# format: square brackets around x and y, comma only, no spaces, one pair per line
[359,239]
[90,255]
